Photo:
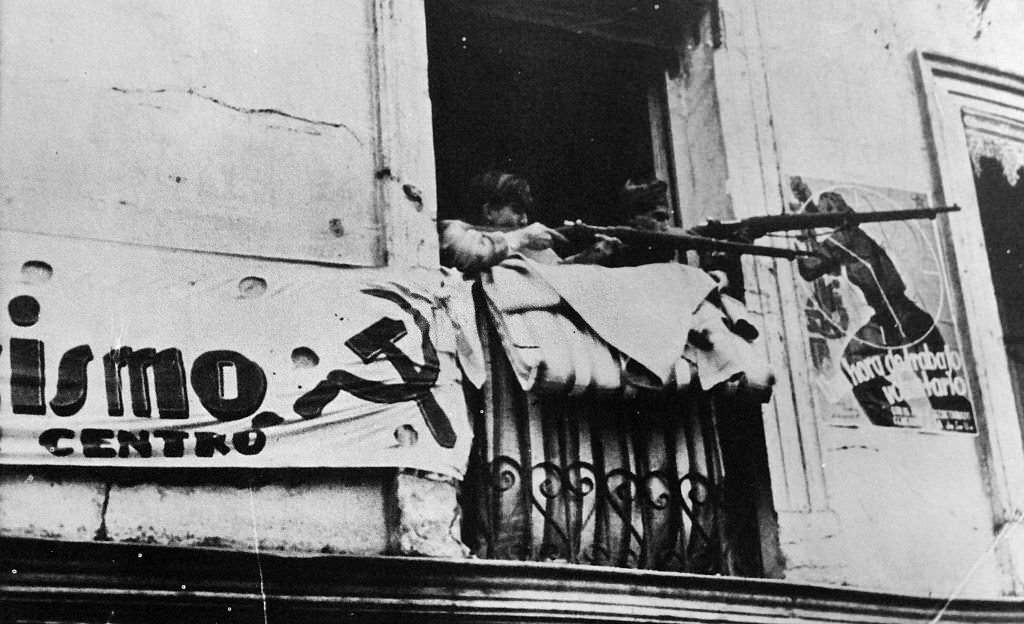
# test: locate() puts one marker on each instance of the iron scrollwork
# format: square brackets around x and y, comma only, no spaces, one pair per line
[611,518]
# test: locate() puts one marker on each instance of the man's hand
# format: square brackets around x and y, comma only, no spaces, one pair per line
[604,247]
[601,250]
[534,236]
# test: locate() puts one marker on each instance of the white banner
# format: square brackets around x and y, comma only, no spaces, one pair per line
[118,355]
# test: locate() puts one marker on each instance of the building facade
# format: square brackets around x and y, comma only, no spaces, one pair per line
[214,188]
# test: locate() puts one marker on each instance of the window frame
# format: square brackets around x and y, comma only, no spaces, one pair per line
[949,85]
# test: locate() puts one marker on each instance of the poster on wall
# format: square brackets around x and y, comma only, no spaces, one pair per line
[118,356]
[881,315]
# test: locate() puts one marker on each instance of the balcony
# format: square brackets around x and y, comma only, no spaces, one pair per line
[675,481]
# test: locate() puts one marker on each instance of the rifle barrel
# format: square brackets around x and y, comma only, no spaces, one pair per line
[681,239]
[755,227]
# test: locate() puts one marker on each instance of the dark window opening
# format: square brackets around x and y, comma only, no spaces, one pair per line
[568,112]
[1002,206]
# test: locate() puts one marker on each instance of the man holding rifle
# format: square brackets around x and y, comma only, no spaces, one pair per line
[645,204]
[504,200]
[503,229]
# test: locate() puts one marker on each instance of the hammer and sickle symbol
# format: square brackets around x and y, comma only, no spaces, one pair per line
[371,343]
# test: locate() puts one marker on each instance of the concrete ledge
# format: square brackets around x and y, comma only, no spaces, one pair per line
[305,511]
[48,503]
[42,580]
[429,517]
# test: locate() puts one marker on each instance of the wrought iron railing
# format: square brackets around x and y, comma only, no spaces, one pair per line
[627,483]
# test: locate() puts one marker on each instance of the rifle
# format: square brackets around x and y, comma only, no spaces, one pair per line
[676,238]
[755,227]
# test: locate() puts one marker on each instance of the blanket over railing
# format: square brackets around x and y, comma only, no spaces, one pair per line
[585,328]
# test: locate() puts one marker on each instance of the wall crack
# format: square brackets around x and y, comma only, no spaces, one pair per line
[850,447]
[246,110]
[101,532]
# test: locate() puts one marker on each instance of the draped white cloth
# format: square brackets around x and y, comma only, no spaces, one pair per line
[585,328]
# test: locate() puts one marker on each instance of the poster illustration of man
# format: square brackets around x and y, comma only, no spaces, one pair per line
[884,342]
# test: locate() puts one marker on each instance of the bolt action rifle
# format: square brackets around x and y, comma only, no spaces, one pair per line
[675,238]
[752,228]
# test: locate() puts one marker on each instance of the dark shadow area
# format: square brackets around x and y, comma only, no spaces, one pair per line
[1001,206]
[566,111]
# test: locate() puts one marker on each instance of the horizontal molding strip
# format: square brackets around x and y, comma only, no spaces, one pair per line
[54,581]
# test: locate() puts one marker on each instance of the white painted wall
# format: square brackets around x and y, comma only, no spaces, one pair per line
[330,511]
[842,81]
[828,90]
[198,124]
[269,131]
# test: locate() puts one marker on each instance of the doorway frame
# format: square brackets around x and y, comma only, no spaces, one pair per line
[948,86]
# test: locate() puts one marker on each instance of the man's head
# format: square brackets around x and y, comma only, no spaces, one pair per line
[833,202]
[645,203]
[504,199]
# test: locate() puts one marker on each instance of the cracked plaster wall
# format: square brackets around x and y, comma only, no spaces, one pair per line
[206,127]
[194,125]
[904,512]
